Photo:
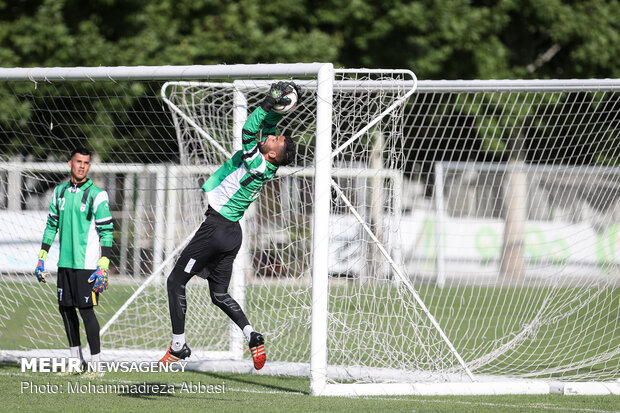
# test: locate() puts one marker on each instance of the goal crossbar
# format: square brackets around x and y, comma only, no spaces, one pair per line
[50,74]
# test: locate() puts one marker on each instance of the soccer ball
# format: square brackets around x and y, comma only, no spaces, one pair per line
[283,109]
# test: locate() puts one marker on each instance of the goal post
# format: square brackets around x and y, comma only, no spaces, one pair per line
[320,239]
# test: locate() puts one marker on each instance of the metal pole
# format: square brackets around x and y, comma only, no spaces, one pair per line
[439,225]
[320,231]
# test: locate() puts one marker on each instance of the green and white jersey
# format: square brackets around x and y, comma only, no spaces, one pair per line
[81,216]
[237,183]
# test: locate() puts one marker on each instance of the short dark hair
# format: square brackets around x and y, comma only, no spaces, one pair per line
[288,152]
[81,150]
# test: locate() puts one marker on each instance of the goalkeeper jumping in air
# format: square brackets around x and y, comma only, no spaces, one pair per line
[231,190]
[80,213]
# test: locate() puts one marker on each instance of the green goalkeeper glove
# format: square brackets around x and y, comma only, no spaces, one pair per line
[39,271]
[100,277]
[276,96]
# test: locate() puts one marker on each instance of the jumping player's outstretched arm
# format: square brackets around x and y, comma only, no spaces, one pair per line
[268,119]
[252,157]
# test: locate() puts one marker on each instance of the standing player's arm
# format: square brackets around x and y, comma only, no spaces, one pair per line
[105,229]
[51,228]
[104,222]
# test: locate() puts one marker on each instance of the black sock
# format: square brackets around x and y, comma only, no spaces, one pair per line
[92,329]
[72,325]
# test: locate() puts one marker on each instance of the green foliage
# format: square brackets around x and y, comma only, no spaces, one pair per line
[437,39]
[450,39]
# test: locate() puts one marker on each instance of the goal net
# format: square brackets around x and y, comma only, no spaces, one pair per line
[367,292]
[460,232]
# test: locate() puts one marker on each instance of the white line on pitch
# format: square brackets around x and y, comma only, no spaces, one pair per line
[519,406]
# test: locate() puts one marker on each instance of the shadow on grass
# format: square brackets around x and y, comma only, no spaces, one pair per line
[257,380]
[150,391]
[8,365]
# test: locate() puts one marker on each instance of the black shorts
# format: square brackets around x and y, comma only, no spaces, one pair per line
[212,251]
[74,290]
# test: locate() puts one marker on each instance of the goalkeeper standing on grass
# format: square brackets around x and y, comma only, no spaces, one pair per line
[80,213]
[212,250]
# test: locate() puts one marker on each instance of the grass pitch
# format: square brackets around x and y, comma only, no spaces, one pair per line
[128,392]
[554,326]
[29,320]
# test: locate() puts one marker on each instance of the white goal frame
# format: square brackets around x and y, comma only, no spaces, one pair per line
[323,156]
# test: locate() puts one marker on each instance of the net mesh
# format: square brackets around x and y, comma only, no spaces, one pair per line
[498,210]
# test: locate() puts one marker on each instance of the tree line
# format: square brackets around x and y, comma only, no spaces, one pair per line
[437,39]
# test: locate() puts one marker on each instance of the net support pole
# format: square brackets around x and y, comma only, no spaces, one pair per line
[320,230]
[160,206]
[237,285]
[14,185]
[172,201]
[439,226]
